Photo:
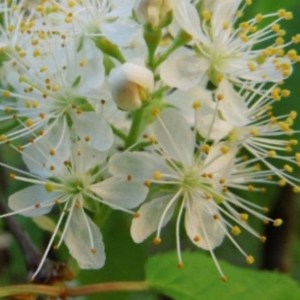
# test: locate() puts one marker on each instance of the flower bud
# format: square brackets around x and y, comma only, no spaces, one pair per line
[130,85]
[153,12]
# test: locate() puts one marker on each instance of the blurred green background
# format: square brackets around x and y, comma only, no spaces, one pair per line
[126,260]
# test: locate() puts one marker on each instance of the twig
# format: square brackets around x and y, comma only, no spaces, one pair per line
[63,291]
[52,271]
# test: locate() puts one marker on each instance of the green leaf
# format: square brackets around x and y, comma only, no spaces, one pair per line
[199,279]
[45,223]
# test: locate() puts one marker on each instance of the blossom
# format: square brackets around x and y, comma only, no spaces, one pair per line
[196,179]
[69,175]
[246,118]
[51,80]
[222,47]
[92,19]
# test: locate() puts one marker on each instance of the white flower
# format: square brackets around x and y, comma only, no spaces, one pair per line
[130,85]
[53,81]
[222,47]
[245,118]
[69,175]
[196,179]
[92,19]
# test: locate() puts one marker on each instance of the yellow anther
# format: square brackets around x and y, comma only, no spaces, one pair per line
[52,152]
[71,3]
[157,175]
[49,187]
[296,39]
[250,188]
[250,260]
[259,18]
[83,63]
[220,97]
[244,217]
[263,239]
[29,122]
[157,240]
[205,148]
[252,66]
[69,18]
[6,93]
[293,55]
[293,114]
[225,149]
[3,138]
[288,168]
[276,94]
[155,112]
[282,182]
[12,176]
[296,189]
[279,41]
[226,25]
[272,153]
[206,15]
[197,238]
[277,222]
[196,105]
[276,27]
[283,126]
[285,93]
[235,230]
[36,53]
[282,13]
[254,132]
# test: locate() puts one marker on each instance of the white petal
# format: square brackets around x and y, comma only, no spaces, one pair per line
[200,224]
[187,17]
[184,100]
[33,196]
[149,217]
[215,132]
[94,128]
[119,192]
[184,69]
[37,156]
[175,136]
[232,106]
[85,157]
[223,12]
[78,239]
[140,165]
[218,163]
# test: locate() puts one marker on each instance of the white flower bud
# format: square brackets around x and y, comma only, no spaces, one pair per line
[130,84]
[152,12]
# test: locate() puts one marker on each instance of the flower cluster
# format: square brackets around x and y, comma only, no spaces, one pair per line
[163,106]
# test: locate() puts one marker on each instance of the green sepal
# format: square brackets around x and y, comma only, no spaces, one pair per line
[109,48]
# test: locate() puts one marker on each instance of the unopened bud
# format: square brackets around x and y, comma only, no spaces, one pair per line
[153,12]
[130,85]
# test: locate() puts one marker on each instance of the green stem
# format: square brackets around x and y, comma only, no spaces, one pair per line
[63,291]
[181,39]
[118,133]
[135,128]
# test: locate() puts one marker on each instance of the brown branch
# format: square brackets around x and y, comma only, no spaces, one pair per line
[63,291]
[51,271]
